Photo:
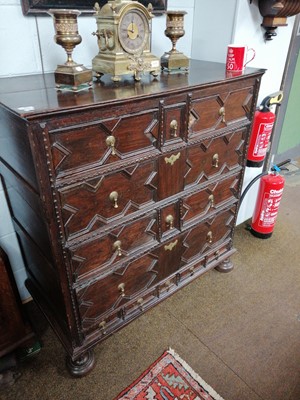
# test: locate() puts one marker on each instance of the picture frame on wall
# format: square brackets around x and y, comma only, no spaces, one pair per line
[36,7]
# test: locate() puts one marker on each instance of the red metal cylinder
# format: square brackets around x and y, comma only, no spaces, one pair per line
[267,205]
[260,137]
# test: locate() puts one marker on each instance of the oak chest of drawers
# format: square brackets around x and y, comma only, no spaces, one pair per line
[122,194]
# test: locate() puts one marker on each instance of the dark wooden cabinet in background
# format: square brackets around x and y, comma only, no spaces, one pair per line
[15,330]
[124,193]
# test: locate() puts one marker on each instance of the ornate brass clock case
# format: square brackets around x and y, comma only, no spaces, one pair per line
[123,33]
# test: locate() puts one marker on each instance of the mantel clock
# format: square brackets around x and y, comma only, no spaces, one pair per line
[123,32]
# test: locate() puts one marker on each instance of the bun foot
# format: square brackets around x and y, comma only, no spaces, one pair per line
[82,365]
[225,266]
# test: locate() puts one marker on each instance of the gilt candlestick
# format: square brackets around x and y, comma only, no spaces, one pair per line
[69,74]
[173,59]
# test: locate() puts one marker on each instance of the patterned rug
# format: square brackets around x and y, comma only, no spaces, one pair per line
[168,378]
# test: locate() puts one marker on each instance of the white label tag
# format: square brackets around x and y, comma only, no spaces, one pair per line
[155,64]
[25,109]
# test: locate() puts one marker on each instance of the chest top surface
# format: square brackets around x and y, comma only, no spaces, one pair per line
[32,96]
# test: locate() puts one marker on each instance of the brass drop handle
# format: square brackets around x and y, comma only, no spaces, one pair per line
[113,197]
[102,326]
[111,141]
[209,237]
[117,246]
[174,128]
[215,160]
[192,271]
[217,254]
[140,303]
[211,200]
[121,289]
[170,221]
[222,113]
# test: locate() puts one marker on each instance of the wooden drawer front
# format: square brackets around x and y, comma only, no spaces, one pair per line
[100,253]
[208,235]
[214,157]
[210,260]
[131,280]
[103,142]
[210,199]
[220,110]
[101,200]
[110,293]
[104,325]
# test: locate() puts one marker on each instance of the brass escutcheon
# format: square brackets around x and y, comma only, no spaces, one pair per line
[171,246]
[111,141]
[117,246]
[171,160]
[113,197]
[174,128]
[170,221]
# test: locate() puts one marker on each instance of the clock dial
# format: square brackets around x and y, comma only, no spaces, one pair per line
[133,31]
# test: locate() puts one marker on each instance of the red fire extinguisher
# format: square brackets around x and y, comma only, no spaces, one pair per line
[267,204]
[261,130]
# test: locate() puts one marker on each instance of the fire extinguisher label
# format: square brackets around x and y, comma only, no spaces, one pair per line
[269,209]
[262,140]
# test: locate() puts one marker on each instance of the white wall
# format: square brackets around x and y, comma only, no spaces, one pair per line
[220,23]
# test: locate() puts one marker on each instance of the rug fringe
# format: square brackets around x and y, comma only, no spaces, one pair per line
[197,377]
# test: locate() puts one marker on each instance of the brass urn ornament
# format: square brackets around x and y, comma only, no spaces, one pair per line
[173,59]
[70,74]
[123,33]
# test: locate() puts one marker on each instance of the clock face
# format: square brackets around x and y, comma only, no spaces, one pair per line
[133,31]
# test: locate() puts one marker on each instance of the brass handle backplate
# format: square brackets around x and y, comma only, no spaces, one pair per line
[174,128]
[113,197]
